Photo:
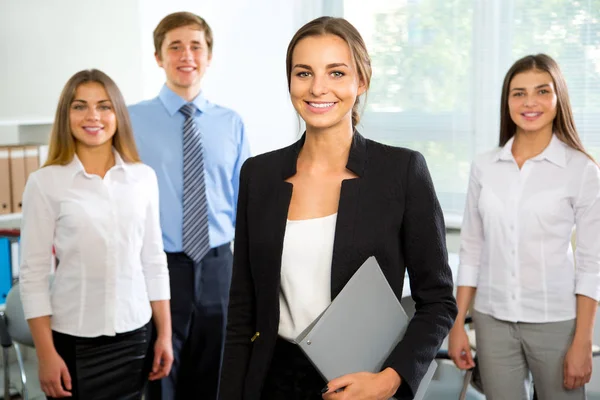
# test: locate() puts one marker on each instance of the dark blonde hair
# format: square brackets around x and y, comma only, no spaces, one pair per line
[563,124]
[62,144]
[344,30]
[177,20]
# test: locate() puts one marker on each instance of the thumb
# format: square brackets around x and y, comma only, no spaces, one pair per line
[66,378]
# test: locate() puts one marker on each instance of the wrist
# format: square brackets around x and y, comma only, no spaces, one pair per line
[392,379]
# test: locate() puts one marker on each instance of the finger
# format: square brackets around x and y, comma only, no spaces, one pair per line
[339,383]
[569,381]
[470,360]
[66,379]
[60,392]
[156,362]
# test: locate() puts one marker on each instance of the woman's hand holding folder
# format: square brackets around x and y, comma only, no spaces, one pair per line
[363,386]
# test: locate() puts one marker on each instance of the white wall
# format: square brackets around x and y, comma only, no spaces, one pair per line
[46,42]
[43,43]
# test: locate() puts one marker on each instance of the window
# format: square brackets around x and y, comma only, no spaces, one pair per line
[438,67]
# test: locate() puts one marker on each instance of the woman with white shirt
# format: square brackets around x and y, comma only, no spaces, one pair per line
[534,306]
[97,205]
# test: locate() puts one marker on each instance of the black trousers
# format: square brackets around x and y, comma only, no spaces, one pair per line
[199,299]
[291,375]
[107,367]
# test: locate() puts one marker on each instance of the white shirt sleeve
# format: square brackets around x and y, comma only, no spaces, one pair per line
[471,234]
[37,237]
[587,231]
[154,259]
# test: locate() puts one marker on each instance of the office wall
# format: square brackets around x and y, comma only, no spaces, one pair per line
[43,43]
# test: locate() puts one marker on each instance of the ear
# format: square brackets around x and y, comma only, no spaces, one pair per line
[158,59]
[362,87]
[209,59]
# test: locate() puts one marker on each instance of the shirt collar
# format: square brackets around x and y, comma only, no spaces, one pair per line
[76,166]
[173,102]
[555,152]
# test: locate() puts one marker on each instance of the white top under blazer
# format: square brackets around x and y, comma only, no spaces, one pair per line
[516,234]
[305,273]
[107,237]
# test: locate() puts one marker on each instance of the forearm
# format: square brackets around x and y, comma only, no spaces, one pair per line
[586,314]
[464,298]
[41,333]
[161,314]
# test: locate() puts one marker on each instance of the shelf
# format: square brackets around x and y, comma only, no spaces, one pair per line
[27,121]
[10,217]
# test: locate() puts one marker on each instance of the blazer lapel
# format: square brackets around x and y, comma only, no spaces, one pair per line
[343,246]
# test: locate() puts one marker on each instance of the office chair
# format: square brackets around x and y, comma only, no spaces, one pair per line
[14,331]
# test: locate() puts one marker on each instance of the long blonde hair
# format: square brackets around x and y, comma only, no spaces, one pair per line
[62,145]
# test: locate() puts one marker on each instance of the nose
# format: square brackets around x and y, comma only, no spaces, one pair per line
[530,101]
[186,54]
[92,114]
[318,86]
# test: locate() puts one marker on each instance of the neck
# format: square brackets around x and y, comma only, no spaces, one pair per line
[530,144]
[187,93]
[96,160]
[326,149]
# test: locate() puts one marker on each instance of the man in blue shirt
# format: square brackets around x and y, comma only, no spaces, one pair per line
[197,149]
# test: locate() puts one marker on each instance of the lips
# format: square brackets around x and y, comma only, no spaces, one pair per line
[531,116]
[319,107]
[93,130]
[186,69]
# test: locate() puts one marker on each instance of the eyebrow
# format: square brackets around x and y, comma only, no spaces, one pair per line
[334,65]
[537,87]
[83,101]
[180,42]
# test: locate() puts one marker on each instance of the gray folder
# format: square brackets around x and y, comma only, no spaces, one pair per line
[359,329]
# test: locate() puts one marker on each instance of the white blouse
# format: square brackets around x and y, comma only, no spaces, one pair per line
[305,273]
[107,237]
[516,234]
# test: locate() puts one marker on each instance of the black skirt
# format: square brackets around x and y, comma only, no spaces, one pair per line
[291,375]
[107,367]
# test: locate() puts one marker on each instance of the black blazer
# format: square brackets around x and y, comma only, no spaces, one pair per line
[390,211]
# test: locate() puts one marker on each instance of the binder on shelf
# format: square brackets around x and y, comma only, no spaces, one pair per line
[5,269]
[5,192]
[32,159]
[359,329]
[17,176]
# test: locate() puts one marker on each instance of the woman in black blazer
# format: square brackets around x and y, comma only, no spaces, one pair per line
[385,206]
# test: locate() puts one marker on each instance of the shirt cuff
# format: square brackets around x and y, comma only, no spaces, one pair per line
[467,275]
[37,305]
[158,289]
[588,285]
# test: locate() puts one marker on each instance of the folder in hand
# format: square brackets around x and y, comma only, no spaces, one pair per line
[359,329]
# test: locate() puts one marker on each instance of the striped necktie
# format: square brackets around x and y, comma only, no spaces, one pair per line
[195,207]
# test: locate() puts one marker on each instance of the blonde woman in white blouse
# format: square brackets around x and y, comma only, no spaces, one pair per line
[98,206]
[534,308]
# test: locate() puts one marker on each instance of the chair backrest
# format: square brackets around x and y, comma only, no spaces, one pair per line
[18,329]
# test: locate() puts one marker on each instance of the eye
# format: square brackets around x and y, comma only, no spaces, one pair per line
[196,48]
[544,91]
[518,94]
[78,107]
[337,74]
[174,48]
[105,107]
[303,74]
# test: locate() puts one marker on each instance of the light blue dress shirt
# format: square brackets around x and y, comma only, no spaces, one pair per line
[158,129]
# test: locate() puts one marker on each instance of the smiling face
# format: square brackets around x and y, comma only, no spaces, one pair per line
[184,56]
[532,101]
[91,115]
[324,82]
